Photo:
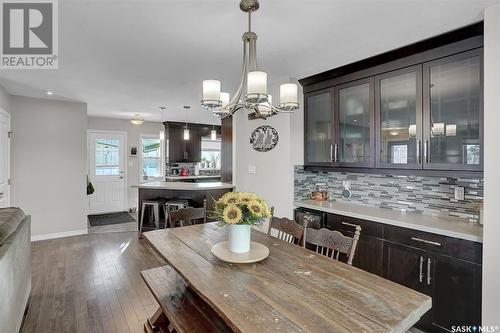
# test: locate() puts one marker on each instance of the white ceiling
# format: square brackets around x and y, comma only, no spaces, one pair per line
[125,57]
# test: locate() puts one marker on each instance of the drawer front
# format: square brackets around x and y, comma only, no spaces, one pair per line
[454,247]
[340,222]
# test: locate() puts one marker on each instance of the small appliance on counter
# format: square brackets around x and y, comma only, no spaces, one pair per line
[320,192]
[184,172]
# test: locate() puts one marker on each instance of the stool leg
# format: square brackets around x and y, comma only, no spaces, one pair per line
[157,215]
[141,220]
[166,215]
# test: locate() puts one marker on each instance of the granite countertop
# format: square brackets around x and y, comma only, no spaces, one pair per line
[192,177]
[182,186]
[447,226]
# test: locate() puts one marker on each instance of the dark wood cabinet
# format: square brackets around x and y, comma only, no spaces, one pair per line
[422,111]
[180,150]
[447,269]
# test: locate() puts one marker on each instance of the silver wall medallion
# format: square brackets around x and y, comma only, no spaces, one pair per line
[264,138]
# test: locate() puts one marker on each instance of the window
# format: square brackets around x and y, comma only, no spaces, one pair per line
[107,157]
[151,157]
[210,154]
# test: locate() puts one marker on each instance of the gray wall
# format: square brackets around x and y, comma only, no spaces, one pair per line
[134,133]
[491,245]
[48,164]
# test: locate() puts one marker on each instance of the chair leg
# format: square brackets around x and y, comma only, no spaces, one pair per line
[141,220]
[166,215]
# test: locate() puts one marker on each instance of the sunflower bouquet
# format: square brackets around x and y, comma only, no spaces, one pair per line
[241,208]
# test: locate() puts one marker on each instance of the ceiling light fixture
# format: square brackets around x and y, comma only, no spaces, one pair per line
[213,134]
[50,93]
[137,120]
[256,98]
[186,132]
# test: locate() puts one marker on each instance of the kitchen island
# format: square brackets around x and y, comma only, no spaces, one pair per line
[194,192]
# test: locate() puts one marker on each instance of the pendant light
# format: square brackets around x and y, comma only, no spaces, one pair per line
[213,134]
[186,132]
[162,128]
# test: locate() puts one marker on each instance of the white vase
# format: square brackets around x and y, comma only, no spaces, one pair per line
[238,238]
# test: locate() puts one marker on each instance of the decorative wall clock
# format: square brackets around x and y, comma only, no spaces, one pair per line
[264,138]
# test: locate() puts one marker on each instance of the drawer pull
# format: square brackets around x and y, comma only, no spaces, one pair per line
[425,241]
[350,224]
[428,271]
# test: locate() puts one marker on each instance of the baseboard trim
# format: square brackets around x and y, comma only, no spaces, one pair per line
[59,235]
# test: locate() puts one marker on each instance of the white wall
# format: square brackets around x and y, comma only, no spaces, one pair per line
[48,164]
[134,133]
[4,99]
[274,177]
[491,232]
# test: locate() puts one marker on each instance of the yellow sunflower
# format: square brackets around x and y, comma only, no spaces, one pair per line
[230,198]
[246,197]
[232,214]
[256,209]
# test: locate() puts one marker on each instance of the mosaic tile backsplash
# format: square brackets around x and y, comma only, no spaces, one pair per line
[418,194]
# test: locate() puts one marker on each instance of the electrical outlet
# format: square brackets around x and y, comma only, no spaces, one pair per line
[459,193]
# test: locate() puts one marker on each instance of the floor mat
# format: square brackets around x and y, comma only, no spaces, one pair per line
[112,218]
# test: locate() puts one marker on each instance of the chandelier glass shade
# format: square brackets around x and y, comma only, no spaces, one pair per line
[256,98]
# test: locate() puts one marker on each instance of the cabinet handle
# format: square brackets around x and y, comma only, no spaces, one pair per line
[336,153]
[350,224]
[420,272]
[416,239]
[428,271]
[426,152]
[419,144]
[331,153]
[1,194]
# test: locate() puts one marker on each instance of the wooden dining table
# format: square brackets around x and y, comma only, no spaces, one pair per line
[292,290]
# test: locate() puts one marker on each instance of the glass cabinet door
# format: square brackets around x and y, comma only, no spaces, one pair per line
[354,144]
[398,108]
[319,120]
[453,88]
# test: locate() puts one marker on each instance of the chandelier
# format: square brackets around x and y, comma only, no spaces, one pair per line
[256,98]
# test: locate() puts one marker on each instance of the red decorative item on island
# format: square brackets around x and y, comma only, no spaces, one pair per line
[184,172]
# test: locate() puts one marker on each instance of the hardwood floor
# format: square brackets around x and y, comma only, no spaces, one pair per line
[90,283]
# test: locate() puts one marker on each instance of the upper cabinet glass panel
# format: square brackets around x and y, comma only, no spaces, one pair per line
[319,117]
[355,114]
[399,109]
[454,126]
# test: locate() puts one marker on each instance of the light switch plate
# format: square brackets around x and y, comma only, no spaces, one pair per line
[252,169]
[459,193]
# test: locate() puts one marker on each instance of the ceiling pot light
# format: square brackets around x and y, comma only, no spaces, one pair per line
[137,120]
[50,93]
[254,80]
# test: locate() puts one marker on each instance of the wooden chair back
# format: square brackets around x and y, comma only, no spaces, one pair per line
[332,243]
[188,216]
[288,230]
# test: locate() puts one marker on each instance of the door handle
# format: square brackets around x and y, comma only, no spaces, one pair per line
[331,152]
[420,272]
[419,147]
[336,153]
[428,271]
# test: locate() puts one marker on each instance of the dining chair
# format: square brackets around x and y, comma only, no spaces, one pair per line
[288,230]
[188,216]
[332,243]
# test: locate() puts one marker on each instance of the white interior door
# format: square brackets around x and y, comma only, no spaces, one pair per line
[4,159]
[107,172]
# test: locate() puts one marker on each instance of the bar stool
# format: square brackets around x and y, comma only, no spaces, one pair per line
[154,204]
